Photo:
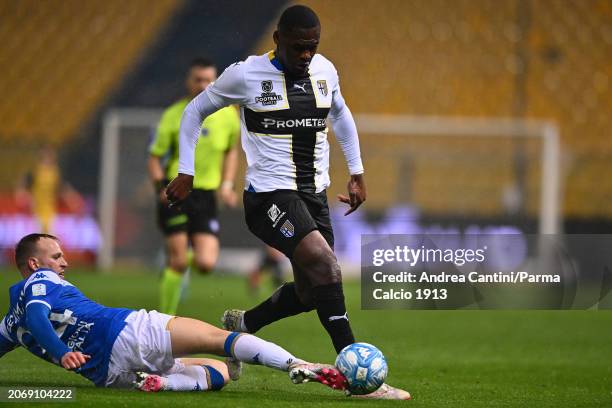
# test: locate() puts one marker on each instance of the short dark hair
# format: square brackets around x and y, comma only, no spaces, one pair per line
[298,16]
[201,62]
[26,247]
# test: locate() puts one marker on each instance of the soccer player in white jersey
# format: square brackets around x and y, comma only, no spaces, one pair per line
[116,347]
[285,97]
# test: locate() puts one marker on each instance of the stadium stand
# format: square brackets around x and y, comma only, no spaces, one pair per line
[478,58]
[60,61]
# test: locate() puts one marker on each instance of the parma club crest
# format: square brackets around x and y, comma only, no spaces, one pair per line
[322,85]
[287,229]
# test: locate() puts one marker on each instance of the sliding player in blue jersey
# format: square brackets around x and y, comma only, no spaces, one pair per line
[116,347]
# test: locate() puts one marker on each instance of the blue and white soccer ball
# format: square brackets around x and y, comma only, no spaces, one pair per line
[364,367]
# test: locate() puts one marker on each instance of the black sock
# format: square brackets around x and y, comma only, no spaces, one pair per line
[329,302]
[284,302]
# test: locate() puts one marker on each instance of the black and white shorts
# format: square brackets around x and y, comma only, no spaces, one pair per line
[282,218]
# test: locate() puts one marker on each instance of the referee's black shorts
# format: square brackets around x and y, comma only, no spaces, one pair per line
[197,214]
[281,218]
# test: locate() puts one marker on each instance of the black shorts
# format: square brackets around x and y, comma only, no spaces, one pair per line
[281,218]
[197,214]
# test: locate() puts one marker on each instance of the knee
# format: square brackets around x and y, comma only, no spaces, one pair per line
[323,269]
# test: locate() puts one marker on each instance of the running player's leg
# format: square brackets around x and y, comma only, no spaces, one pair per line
[299,226]
[289,299]
[317,261]
[170,286]
[280,219]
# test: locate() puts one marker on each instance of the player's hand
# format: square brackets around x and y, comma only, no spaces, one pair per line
[228,196]
[74,359]
[163,198]
[179,188]
[356,193]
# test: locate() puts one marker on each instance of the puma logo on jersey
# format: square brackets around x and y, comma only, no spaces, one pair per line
[344,316]
[302,87]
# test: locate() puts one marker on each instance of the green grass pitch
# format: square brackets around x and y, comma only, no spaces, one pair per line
[444,358]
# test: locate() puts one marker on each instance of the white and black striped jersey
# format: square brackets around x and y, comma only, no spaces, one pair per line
[283,123]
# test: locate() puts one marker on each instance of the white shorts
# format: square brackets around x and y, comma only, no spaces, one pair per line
[143,345]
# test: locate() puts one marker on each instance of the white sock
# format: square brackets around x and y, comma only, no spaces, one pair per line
[190,378]
[253,350]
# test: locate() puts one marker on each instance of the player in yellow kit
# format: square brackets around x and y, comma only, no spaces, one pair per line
[41,189]
[215,169]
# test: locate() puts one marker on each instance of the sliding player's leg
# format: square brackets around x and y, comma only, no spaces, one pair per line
[191,336]
[187,374]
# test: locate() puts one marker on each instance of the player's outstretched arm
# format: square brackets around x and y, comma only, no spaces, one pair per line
[346,134]
[37,321]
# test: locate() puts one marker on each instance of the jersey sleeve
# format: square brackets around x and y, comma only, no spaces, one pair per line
[43,287]
[163,135]
[196,111]
[38,323]
[6,343]
[229,88]
[345,130]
